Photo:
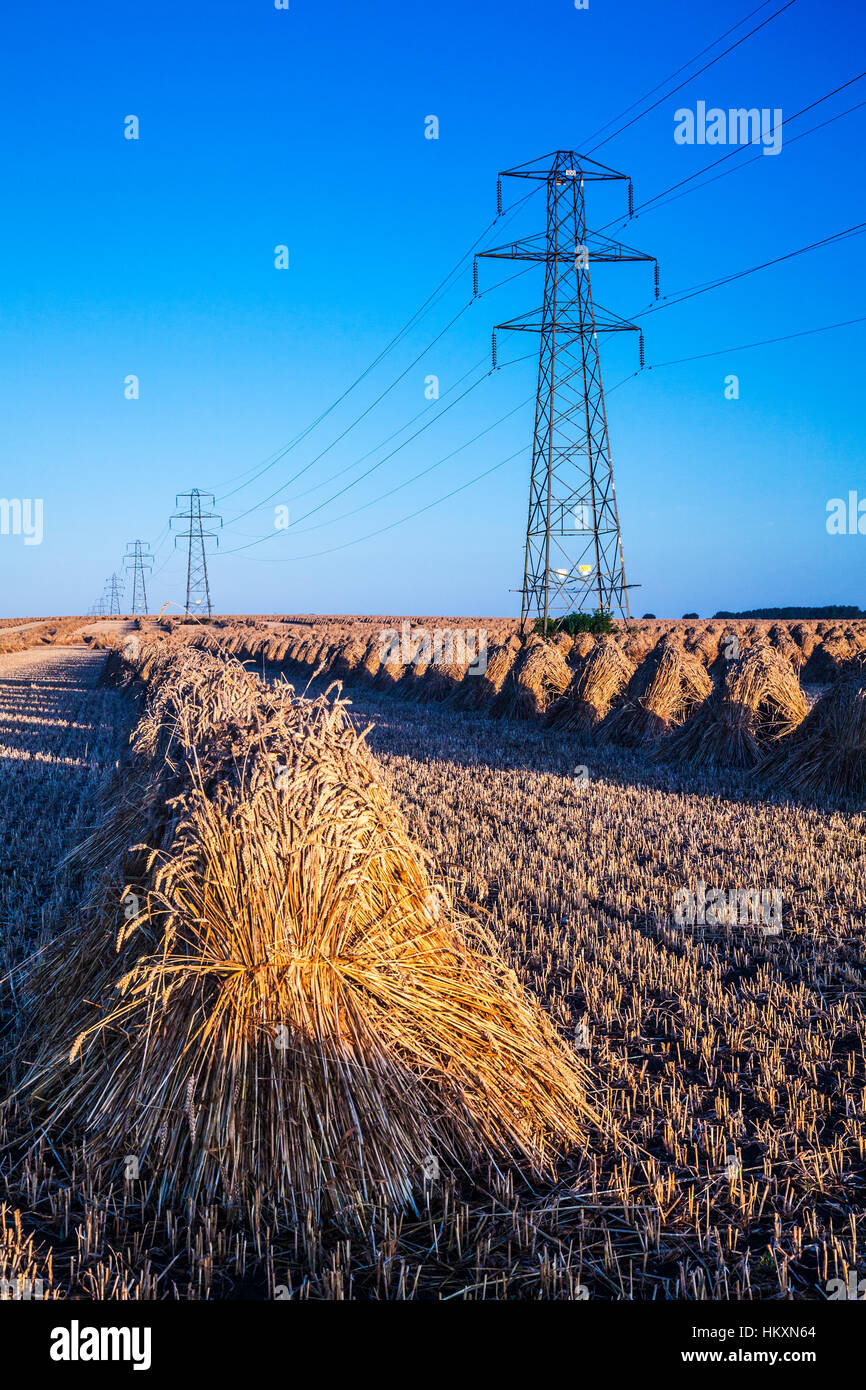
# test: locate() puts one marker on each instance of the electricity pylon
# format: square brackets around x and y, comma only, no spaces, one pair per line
[197,584]
[573,559]
[139,560]
[113,591]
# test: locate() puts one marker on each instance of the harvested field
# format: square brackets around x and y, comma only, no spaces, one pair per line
[61,733]
[698,1130]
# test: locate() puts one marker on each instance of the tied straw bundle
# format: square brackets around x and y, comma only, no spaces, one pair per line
[662,692]
[597,681]
[759,700]
[293,1010]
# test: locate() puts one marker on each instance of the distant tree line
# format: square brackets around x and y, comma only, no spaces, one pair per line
[833,610]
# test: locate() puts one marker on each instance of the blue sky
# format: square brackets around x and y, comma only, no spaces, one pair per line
[261,127]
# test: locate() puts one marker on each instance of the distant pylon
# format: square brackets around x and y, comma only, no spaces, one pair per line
[139,560]
[197,584]
[113,591]
[573,559]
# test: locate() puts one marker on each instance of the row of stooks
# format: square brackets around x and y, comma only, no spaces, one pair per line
[269,995]
[37,632]
[727,697]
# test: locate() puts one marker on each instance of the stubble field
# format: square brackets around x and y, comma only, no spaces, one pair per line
[723,1062]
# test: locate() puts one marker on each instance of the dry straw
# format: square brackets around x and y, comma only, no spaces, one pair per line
[704,644]
[417,667]
[599,678]
[443,679]
[368,668]
[662,692]
[826,756]
[637,642]
[539,676]
[391,667]
[827,659]
[348,657]
[294,1010]
[759,700]
[780,637]
[806,638]
[477,693]
[584,643]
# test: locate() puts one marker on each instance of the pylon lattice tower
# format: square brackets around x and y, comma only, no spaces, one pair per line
[574,558]
[138,559]
[113,591]
[197,583]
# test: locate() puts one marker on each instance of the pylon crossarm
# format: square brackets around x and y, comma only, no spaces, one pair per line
[531,248]
[575,330]
[610,250]
[565,164]
[534,249]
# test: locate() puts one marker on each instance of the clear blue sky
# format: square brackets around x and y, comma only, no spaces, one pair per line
[305,127]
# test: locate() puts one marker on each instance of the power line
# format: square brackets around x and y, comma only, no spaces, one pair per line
[419,314]
[399,486]
[270,535]
[440,288]
[416,318]
[408,481]
[672,75]
[370,535]
[301,471]
[393,435]
[356,421]
[381,531]
[690,293]
[157,572]
[667,302]
[741,149]
[691,78]
[682,296]
[727,172]
[762,342]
